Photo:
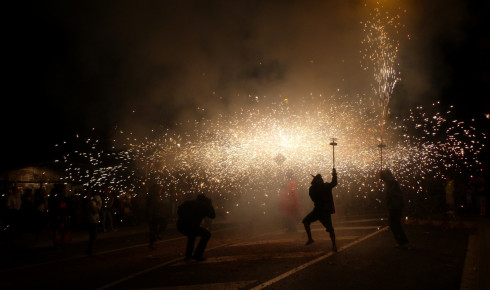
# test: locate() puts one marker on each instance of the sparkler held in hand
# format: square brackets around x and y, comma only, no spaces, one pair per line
[333,143]
[381,145]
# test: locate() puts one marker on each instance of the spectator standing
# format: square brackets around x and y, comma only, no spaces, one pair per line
[41,206]
[106,211]
[289,203]
[395,204]
[158,213]
[93,205]
[478,184]
[28,210]
[14,205]
[59,216]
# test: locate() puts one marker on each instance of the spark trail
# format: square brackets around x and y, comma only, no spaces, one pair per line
[379,54]
[234,157]
[241,158]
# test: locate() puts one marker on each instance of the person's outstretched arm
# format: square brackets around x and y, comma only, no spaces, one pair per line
[334,178]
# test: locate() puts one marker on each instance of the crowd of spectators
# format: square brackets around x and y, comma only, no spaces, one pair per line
[28,210]
[24,210]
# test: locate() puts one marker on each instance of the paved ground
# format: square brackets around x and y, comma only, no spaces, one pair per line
[447,254]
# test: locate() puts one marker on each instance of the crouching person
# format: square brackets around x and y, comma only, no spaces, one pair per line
[191,213]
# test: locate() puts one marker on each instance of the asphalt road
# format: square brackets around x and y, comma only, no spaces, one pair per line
[252,255]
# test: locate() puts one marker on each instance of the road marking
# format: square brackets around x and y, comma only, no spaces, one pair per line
[159,266]
[81,256]
[468,279]
[228,245]
[361,221]
[158,242]
[312,262]
[211,286]
[139,273]
[151,269]
[301,241]
[348,228]
[249,257]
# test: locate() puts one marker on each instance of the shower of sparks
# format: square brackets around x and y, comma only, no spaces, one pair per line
[241,159]
[380,55]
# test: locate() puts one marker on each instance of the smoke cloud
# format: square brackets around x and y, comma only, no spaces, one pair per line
[146,64]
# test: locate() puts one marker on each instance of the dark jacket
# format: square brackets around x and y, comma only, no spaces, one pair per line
[192,212]
[321,195]
[394,197]
[157,207]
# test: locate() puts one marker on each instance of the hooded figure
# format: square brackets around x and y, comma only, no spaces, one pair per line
[321,195]
[289,203]
[191,213]
[394,202]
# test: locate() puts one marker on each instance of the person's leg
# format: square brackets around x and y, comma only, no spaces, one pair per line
[191,239]
[331,231]
[403,240]
[326,220]
[483,205]
[55,232]
[162,226]
[92,232]
[152,234]
[396,227]
[311,217]
[201,246]
[103,219]
[402,237]
[109,218]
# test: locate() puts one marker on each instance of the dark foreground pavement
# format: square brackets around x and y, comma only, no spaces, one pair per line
[445,255]
[436,261]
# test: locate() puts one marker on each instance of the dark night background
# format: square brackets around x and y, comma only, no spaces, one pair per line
[70,67]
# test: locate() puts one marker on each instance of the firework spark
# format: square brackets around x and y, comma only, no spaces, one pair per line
[242,158]
[235,157]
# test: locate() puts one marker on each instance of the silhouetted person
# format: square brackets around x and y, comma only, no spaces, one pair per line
[92,208]
[41,205]
[394,202]
[106,210]
[28,211]
[14,205]
[450,196]
[289,203]
[321,195]
[59,213]
[191,213]
[478,183]
[158,213]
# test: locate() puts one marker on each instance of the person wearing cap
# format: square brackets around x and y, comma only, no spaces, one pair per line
[191,213]
[321,195]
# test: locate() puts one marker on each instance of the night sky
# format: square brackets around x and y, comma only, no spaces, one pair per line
[72,66]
